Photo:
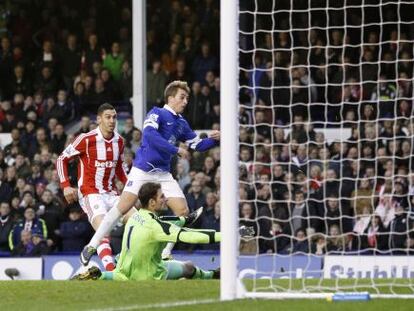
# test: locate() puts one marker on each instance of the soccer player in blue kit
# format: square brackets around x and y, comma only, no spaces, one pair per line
[163,129]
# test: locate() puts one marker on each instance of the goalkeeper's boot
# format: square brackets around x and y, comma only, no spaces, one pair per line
[216,274]
[193,217]
[93,273]
[86,254]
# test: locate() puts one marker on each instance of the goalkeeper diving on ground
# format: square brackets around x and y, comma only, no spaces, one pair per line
[145,237]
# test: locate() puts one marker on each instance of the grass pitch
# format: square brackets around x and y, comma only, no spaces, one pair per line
[154,295]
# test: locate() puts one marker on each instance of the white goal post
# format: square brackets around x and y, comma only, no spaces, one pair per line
[229,147]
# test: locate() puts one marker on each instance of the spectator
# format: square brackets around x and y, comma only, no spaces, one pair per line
[6,190]
[213,117]
[40,246]
[300,243]
[113,61]
[375,235]
[384,95]
[195,197]
[182,176]
[74,232]
[196,108]
[100,95]
[15,142]
[110,85]
[125,82]
[400,231]
[52,110]
[362,197]
[156,82]
[203,62]
[135,141]
[336,213]
[31,224]
[47,57]
[31,244]
[46,82]
[51,212]
[180,72]
[71,61]
[212,221]
[20,83]
[6,225]
[248,245]
[127,130]
[93,52]
[27,199]
[6,60]
[22,168]
[58,140]
[84,125]
[335,241]
[264,213]
[79,98]
[67,106]
[9,122]
[168,60]
[25,246]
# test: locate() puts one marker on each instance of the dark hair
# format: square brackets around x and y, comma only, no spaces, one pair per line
[147,192]
[104,107]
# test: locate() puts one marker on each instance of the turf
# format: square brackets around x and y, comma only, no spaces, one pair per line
[101,295]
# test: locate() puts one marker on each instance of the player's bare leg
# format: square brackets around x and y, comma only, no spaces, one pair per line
[126,202]
[180,208]
[126,216]
[104,249]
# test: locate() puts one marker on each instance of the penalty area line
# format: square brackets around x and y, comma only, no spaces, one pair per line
[157,305]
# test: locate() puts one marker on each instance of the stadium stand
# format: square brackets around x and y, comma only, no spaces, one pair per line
[59,60]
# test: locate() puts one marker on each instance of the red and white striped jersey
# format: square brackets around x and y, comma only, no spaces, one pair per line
[100,161]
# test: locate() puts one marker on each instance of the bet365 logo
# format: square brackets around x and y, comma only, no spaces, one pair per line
[105,164]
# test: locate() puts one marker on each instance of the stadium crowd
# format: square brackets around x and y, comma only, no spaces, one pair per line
[298,191]
[308,193]
[59,61]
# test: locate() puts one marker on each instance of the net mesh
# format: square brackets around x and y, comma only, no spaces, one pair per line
[326,135]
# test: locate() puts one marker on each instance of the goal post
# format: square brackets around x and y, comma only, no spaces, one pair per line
[317,140]
[229,147]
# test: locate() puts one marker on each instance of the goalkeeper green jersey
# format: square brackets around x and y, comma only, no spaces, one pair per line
[144,239]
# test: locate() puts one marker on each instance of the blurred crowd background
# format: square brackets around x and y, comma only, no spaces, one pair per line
[60,60]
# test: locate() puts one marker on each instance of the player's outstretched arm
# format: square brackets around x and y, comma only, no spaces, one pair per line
[196,143]
[202,236]
[166,232]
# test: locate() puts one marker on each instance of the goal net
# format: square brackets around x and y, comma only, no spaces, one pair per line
[326,128]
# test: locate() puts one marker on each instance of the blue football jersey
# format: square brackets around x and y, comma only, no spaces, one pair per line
[163,129]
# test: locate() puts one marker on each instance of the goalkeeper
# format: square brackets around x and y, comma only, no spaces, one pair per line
[144,239]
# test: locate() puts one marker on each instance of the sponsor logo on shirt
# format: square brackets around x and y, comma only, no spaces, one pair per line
[105,164]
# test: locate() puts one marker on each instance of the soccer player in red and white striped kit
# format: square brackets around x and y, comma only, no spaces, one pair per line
[101,155]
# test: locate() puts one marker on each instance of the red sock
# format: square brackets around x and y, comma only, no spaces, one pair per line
[105,253]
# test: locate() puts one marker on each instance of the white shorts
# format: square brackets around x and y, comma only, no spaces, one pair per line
[97,204]
[169,186]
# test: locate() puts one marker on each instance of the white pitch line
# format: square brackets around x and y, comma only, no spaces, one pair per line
[157,305]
